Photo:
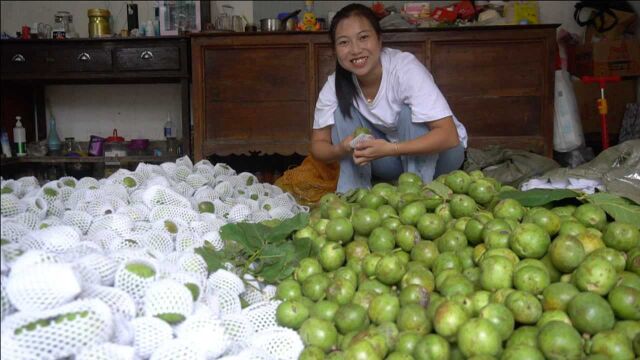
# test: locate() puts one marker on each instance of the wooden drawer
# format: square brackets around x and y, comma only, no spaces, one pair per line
[22,59]
[81,59]
[150,58]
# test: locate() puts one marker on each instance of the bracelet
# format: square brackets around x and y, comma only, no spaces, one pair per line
[397,150]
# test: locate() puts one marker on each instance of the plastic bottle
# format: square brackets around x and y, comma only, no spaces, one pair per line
[20,138]
[53,140]
[4,139]
[169,127]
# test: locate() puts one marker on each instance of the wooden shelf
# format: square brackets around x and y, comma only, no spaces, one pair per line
[85,159]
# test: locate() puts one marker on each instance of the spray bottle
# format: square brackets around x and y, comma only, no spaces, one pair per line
[20,138]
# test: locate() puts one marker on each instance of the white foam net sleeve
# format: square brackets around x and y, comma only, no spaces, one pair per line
[281,213]
[134,285]
[213,237]
[184,161]
[262,315]
[278,342]
[107,351]
[86,183]
[155,240]
[10,205]
[227,302]
[168,297]
[36,206]
[150,221]
[169,212]
[29,220]
[157,195]
[237,329]
[33,257]
[105,266]
[183,189]
[179,349]
[205,332]
[43,286]
[196,180]
[149,333]
[5,305]
[193,263]
[226,280]
[57,333]
[118,301]
[188,240]
[120,224]
[12,231]
[191,279]
[79,219]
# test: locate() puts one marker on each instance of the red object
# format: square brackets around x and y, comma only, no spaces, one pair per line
[464,10]
[444,15]
[379,10]
[115,137]
[26,32]
[602,103]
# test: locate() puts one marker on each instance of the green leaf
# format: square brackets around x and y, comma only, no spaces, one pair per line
[538,197]
[250,236]
[286,227]
[302,248]
[617,207]
[440,189]
[213,258]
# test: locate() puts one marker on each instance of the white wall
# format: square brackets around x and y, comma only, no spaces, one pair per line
[83,110]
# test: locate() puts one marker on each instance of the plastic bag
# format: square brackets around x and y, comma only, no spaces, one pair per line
[310,180]
[509,166]
[567,129]
[618,168]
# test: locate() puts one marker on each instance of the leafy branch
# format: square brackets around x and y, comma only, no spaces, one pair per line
[264,251]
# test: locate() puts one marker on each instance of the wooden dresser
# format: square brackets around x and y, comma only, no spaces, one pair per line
[33,64]
[256,92]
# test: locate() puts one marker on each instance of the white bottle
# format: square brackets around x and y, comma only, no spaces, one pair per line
[20,138]
[149,29]
[169,127]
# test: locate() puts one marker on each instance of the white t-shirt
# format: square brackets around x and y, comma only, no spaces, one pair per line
[405,81]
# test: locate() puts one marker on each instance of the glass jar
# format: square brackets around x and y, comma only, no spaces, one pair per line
[99,23]
[63,25]
[69,145]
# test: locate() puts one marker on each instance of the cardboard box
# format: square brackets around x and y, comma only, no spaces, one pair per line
[625,23]
[618,95]
[609,57]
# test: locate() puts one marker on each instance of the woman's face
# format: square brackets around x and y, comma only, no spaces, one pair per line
[357,46]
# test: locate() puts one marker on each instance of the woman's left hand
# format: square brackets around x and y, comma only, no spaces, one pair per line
[370,150]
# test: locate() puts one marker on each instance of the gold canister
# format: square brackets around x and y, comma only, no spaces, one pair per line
[99,23]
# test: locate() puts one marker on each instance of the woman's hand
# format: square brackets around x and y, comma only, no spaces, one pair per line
[370,150]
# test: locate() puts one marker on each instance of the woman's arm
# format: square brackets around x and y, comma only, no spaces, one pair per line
[442,135]
[324,150]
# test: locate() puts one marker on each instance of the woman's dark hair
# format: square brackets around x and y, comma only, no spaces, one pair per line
[345,88]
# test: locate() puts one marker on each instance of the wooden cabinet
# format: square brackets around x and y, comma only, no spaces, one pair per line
[36,63]
[255,93]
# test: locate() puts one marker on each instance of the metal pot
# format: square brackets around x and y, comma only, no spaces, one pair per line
[270,25]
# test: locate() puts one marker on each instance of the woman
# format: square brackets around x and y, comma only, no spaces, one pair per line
[393,95]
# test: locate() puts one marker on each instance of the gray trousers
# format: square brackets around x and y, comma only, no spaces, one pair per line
[389,168]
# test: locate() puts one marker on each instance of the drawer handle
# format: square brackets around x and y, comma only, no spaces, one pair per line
[146,55]
[18,58]
[84,57]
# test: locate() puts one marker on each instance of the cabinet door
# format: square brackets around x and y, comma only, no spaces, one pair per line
[494,87]
[256,95]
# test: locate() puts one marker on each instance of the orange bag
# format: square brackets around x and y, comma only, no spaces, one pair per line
[310,180]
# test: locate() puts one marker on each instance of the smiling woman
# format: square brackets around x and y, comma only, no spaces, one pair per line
[389,92]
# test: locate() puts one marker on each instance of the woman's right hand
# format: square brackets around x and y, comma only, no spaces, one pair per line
[345,146]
